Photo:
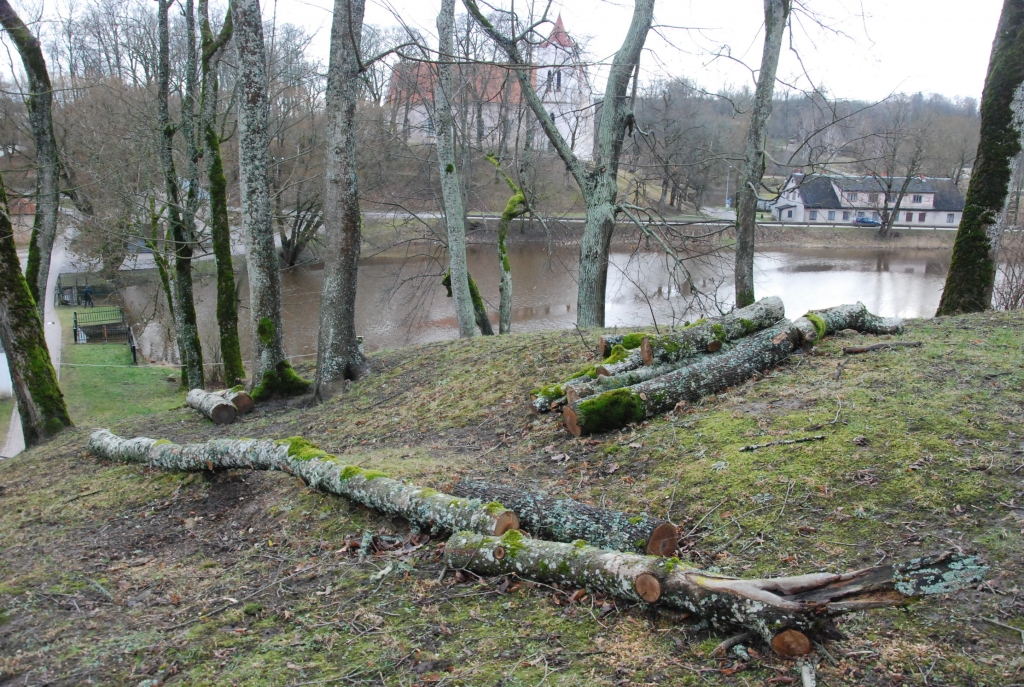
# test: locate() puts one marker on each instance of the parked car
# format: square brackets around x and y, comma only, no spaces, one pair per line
[866,222]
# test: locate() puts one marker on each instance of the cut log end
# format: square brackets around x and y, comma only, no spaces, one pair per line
[603,347]
[243,402]
[572,422]
[498,552]
[223,414]
[663,541]
[648,587]
[791,643]
[603,372]
[571,394]
[647,351]
[505,522]
[715,345]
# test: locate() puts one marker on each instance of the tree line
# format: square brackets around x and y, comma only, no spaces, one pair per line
[148,128]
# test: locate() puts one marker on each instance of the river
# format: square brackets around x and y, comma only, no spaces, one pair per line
[401,300]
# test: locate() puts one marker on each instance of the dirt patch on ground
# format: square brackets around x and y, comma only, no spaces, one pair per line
[112,574]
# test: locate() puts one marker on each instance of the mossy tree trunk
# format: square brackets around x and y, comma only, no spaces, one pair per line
[273,375]
[567,520]
[972,271]
[40,116]
[338,355]
[776,14]
[598,182]
[220,228]
[182,234]
[766,607]
[40,401]
[423,507]
[515,207]
[451,186]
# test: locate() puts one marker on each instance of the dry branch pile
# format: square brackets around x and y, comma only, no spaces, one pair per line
[697,361]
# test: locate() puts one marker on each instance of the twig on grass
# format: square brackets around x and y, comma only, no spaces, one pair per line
[722,648]
[1008,627]
[782,442]
[851,350]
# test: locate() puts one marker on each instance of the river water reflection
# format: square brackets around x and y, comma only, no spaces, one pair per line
[401,300]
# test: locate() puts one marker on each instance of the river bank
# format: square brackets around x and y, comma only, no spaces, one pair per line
[114,574]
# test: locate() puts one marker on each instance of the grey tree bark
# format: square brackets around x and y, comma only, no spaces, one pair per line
[776,14]
[767,607]
[180,219]
[598,183]
[40,108]
[338,355]
[273,375]
[213,407]
[422,507]
[451,186]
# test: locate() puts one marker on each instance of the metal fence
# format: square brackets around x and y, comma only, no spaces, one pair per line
[102,325]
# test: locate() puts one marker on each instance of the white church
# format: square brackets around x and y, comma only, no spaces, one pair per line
[489,103]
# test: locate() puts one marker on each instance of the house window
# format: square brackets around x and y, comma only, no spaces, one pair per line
[846,215]
[814,214]
[921,216]
[551,76]
[789,213]
[949,218]
[872,197]
[917,199]
[831,214]
[558,79]
[552,113]
[910,216]
[851,197]
[430,126]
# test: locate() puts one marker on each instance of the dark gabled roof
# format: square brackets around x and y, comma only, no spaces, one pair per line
[817,192]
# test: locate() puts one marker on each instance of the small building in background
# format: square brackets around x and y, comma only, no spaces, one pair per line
[839,199]
[23,214]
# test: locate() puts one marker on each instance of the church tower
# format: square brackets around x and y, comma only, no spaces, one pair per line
[564,88]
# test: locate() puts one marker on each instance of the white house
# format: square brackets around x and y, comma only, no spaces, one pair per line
[835,199]
[487,97]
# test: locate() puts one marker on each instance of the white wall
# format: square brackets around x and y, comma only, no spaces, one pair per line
[5,378]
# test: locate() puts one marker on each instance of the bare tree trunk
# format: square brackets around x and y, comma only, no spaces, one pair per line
[451,187]
[776,14]
[187,330]
[972,272]
[40,106]
[273,375]
[220,228]
[40,401]
[338,354]
[598,185]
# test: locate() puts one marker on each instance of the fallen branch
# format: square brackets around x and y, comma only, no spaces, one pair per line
[422,507]
[766,607]
[567,520]
[213,407]
[783,442]
[852,350]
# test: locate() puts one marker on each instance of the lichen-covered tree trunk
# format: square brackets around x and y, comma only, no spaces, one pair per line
[709,336]
[186,327]
[766,607]
[714,372]
[451,193]
[423,507]
[598,183]
[40,401]
[776,14]
[273,375]
[515,207]
[338,355]
[40,116]
[567,520]
[213,407]
[972,271]
[220,228]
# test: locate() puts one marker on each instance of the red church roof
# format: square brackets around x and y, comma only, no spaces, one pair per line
[558,35]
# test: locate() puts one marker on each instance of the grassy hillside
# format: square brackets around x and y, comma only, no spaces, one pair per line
[111,574]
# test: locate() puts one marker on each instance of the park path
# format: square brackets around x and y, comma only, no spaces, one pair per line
[15,442]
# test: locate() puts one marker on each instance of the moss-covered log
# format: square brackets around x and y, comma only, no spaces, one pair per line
[709,336]
[425,508]
[566,520]
[551,396]
[714,372]
[764,606]
[213,407]
[628,341]
[631,362]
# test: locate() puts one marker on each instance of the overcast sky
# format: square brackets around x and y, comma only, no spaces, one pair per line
[870,49]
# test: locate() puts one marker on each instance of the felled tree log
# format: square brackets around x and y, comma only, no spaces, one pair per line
[553,395]
[634,360]
[709,336]
[766,606]
[567,520]
[214,406]
[628,341]
[854,316]
[423,507]
[239,398]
